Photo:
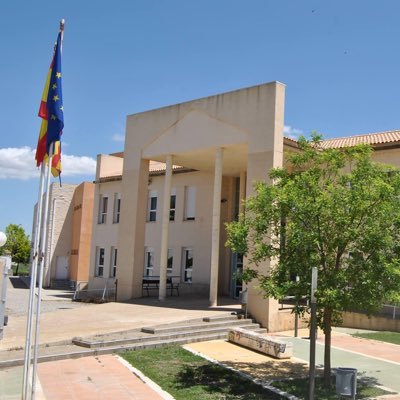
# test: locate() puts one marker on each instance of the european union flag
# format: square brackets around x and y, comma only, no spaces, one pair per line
[54,104]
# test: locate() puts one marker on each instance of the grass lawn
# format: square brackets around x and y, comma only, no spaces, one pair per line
[189,377]
[299,388]
[23,269]
[390,337]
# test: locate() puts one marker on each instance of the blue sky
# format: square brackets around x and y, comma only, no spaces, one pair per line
[339,59]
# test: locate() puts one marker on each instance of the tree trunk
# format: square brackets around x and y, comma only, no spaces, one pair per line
[16,271]
[327,350]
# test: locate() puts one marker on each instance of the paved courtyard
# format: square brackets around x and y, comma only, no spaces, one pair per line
[105,377]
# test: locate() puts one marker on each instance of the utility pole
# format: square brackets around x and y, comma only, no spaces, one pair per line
[313,331]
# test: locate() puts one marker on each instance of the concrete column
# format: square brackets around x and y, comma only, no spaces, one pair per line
[164,229]
[216,217]
[132,229]
[242,191]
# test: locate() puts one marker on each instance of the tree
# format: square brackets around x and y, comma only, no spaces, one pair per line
[334,209]
[18,244]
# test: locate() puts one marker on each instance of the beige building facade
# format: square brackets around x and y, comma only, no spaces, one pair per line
[160,207]
[223,144]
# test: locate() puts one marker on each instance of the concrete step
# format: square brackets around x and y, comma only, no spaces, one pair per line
[140,338]
[189,327]
[53,353]
[226,317]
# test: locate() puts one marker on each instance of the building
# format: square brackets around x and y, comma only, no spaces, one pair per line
[68,232]
[158,208]
[161,205]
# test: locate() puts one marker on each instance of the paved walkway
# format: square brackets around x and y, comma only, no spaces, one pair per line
[89,378]
[92,378]
[63,325]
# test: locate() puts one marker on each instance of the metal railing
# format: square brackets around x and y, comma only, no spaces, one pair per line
[107,293]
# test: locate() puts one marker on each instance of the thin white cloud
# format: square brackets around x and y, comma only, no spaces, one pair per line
[117,137]
[19,163]
[292,133]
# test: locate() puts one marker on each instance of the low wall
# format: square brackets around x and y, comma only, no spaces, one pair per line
[362,321]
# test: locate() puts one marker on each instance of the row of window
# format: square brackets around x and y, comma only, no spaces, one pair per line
[103,209]
[186,265]
[189,206]
[100,262]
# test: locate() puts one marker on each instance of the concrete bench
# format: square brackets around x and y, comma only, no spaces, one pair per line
[259,342]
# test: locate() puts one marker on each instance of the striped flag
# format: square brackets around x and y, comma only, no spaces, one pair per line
[52,113]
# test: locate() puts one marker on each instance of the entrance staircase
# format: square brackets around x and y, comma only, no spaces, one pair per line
[209,328]
[195,330]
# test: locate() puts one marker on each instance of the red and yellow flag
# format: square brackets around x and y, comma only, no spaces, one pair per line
[41,149]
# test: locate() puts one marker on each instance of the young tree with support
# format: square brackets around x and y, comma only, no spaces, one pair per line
[333,209]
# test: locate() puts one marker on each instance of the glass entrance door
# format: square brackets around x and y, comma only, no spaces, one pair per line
[237,269]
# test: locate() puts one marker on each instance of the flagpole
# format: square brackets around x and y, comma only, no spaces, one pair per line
[42,256]
[32,287]
[43,252]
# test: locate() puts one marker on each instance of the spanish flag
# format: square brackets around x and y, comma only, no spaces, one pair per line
[52,113]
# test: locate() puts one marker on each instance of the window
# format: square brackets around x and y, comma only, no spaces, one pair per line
[152,213]
[103,204]
[148,261]
[187,264]
[113,263]
[190,203]
[172,205]
[117,208]
[99,261]
[170,261]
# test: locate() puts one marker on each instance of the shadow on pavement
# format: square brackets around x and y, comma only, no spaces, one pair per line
[17,282]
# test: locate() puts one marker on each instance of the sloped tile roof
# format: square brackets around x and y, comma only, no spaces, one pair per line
[371,138]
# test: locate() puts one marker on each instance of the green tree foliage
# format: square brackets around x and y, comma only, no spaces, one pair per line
[334,209]
[17,245]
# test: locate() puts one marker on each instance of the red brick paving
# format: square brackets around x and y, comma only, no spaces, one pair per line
[92,378]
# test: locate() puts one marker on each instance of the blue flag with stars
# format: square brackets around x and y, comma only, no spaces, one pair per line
[54,104]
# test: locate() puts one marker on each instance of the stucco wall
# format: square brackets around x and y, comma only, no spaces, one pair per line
[82,224]
[104,235]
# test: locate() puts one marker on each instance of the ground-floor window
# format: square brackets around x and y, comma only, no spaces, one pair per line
[100,261]
[148,261]
[113,263]
[187,264]
[170,261]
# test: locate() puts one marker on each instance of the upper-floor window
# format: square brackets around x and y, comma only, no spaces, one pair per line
[113,263]
[152,207]
[172,207]
[117,208]
[190,203]
[100,251]
[103,205]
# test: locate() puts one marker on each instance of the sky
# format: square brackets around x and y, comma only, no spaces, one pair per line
[339,60]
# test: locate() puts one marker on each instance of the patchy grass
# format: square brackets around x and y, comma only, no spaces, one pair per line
[23,269]
[385,336]
[189,377]
[299,388]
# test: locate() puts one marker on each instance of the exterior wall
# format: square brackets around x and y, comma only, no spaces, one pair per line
[387,156]
[104,235]
[108,165]
[59,228]
[82,223]
[362,321]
